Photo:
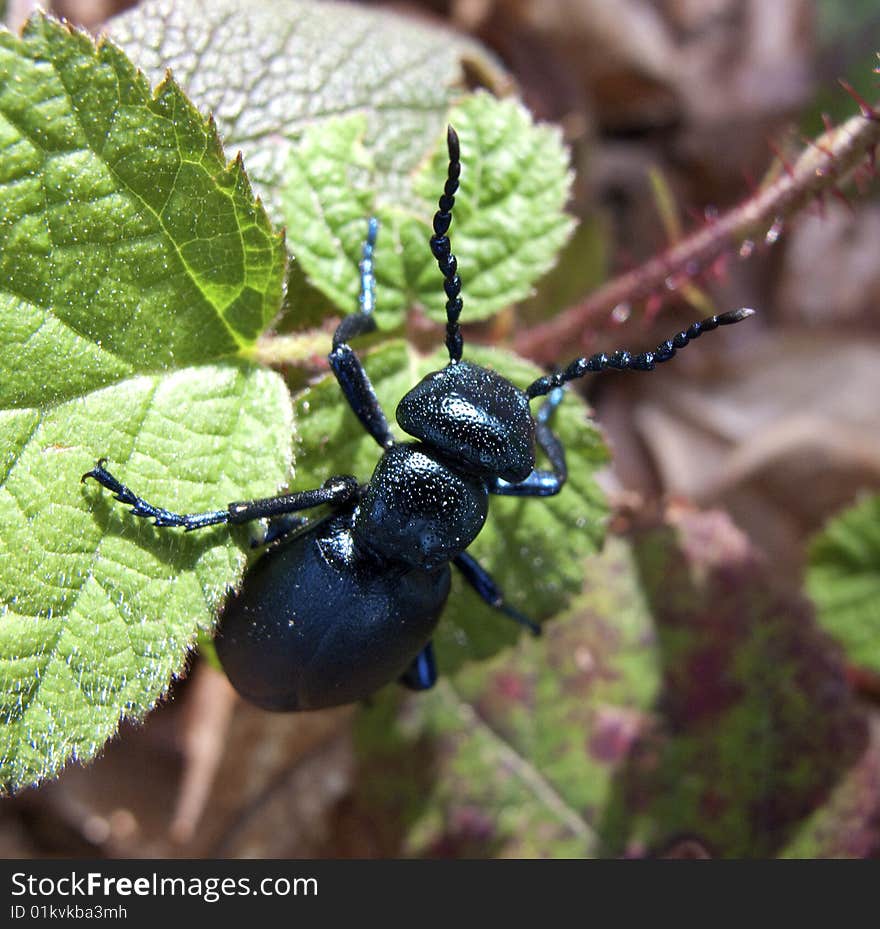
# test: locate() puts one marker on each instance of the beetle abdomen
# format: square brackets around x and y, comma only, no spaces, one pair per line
[316,624]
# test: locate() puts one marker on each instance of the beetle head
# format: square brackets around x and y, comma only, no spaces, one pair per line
[475,417]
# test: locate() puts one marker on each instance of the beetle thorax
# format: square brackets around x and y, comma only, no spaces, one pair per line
[419,510]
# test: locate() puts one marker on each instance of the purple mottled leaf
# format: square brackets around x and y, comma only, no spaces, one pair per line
[685,701]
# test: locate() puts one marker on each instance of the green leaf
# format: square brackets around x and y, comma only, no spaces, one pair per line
[100,245]
[508,227]
[327,202]
[509,223]
[498,760]
[269,70]
[844,581]
[756,723]
[533,547]
[350,125]
[681,695]
[136,265]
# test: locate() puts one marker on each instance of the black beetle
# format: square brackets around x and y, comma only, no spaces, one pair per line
[340,606]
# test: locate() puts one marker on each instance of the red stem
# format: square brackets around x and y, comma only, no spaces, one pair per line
[822,165]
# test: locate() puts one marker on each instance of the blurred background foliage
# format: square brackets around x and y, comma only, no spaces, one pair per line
[692,702]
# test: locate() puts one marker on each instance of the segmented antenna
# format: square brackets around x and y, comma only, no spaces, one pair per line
[441,250]
[623,360]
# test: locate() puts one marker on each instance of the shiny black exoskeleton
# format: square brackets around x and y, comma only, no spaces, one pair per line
[337,607]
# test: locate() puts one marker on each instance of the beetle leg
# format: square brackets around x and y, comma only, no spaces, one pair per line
[346,365]
[359,393]
[422,672]
[480,579]
[540,483]
[336,490]
[279,528]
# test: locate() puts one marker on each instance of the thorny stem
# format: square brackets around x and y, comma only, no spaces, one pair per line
[821,167]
